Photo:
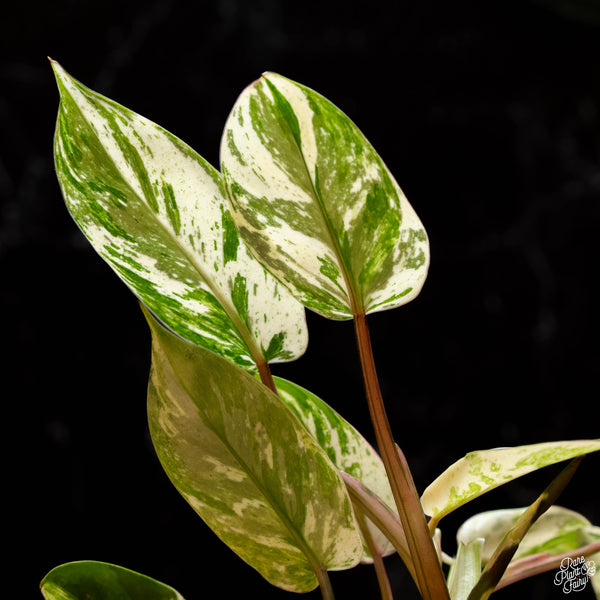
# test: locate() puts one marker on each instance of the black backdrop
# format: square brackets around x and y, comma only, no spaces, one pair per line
[488,115]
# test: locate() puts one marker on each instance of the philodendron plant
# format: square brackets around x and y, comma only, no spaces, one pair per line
[302,213]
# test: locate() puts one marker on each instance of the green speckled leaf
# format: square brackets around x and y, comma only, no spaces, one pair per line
[345,446]
[481,471]
[91,580]
[557,531]
[157,213]
[316,203]
[247,466]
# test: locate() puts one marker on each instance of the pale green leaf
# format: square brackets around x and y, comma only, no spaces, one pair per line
[345,446]
[247,466]
[481,471]
[157,213]
[466,569]
[557,531]
[91,580]
[316,203]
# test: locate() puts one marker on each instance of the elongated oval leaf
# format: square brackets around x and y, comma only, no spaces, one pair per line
[156,212]
[557,531]
[316,203]
[247,466]
[346,447]
[482,471]
[92,580]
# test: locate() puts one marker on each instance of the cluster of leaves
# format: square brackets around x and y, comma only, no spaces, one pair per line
[303,213]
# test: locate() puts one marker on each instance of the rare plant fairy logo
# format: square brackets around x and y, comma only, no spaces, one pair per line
[574,574]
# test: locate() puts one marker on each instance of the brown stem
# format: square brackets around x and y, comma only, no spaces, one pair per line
[325,584]
[385,588]
[428,571]
[265,376]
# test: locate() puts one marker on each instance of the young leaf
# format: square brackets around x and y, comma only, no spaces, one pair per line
[91,580]
[345,446]
[557,531]
[466,569]
[482,471]
[156,212]
[247,466]
[316,203]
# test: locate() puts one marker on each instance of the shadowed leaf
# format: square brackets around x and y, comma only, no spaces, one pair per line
[91,580]
[247,466]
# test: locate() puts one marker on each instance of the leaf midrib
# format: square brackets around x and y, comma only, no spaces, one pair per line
[350,291]
[274,504]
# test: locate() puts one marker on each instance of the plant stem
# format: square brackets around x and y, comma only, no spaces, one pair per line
[428,571]
[265,375]
[385,588]
[325,584]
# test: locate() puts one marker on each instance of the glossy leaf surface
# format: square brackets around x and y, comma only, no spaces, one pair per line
[91,580]
[247,466]
[345,446]
[481,471]
[316,203]
[157,213]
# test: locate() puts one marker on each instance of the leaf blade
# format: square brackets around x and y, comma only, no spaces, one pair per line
[157,213]
[247,467]
[481,471]
[317,204]
[92,580]
[346,447]
[557,531]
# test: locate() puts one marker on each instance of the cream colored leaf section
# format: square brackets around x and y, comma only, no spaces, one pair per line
[481,471]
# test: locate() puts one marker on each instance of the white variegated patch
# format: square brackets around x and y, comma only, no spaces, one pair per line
[156,211]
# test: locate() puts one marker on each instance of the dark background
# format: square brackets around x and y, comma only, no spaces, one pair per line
[488,114]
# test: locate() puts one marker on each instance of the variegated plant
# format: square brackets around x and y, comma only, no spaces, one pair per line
[303,213]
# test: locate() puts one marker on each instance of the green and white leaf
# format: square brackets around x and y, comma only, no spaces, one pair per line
[557,531]
[317,205]
[157,213]
[481,471]
[247,466]
[91,580]
[346,447]
[466,569]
